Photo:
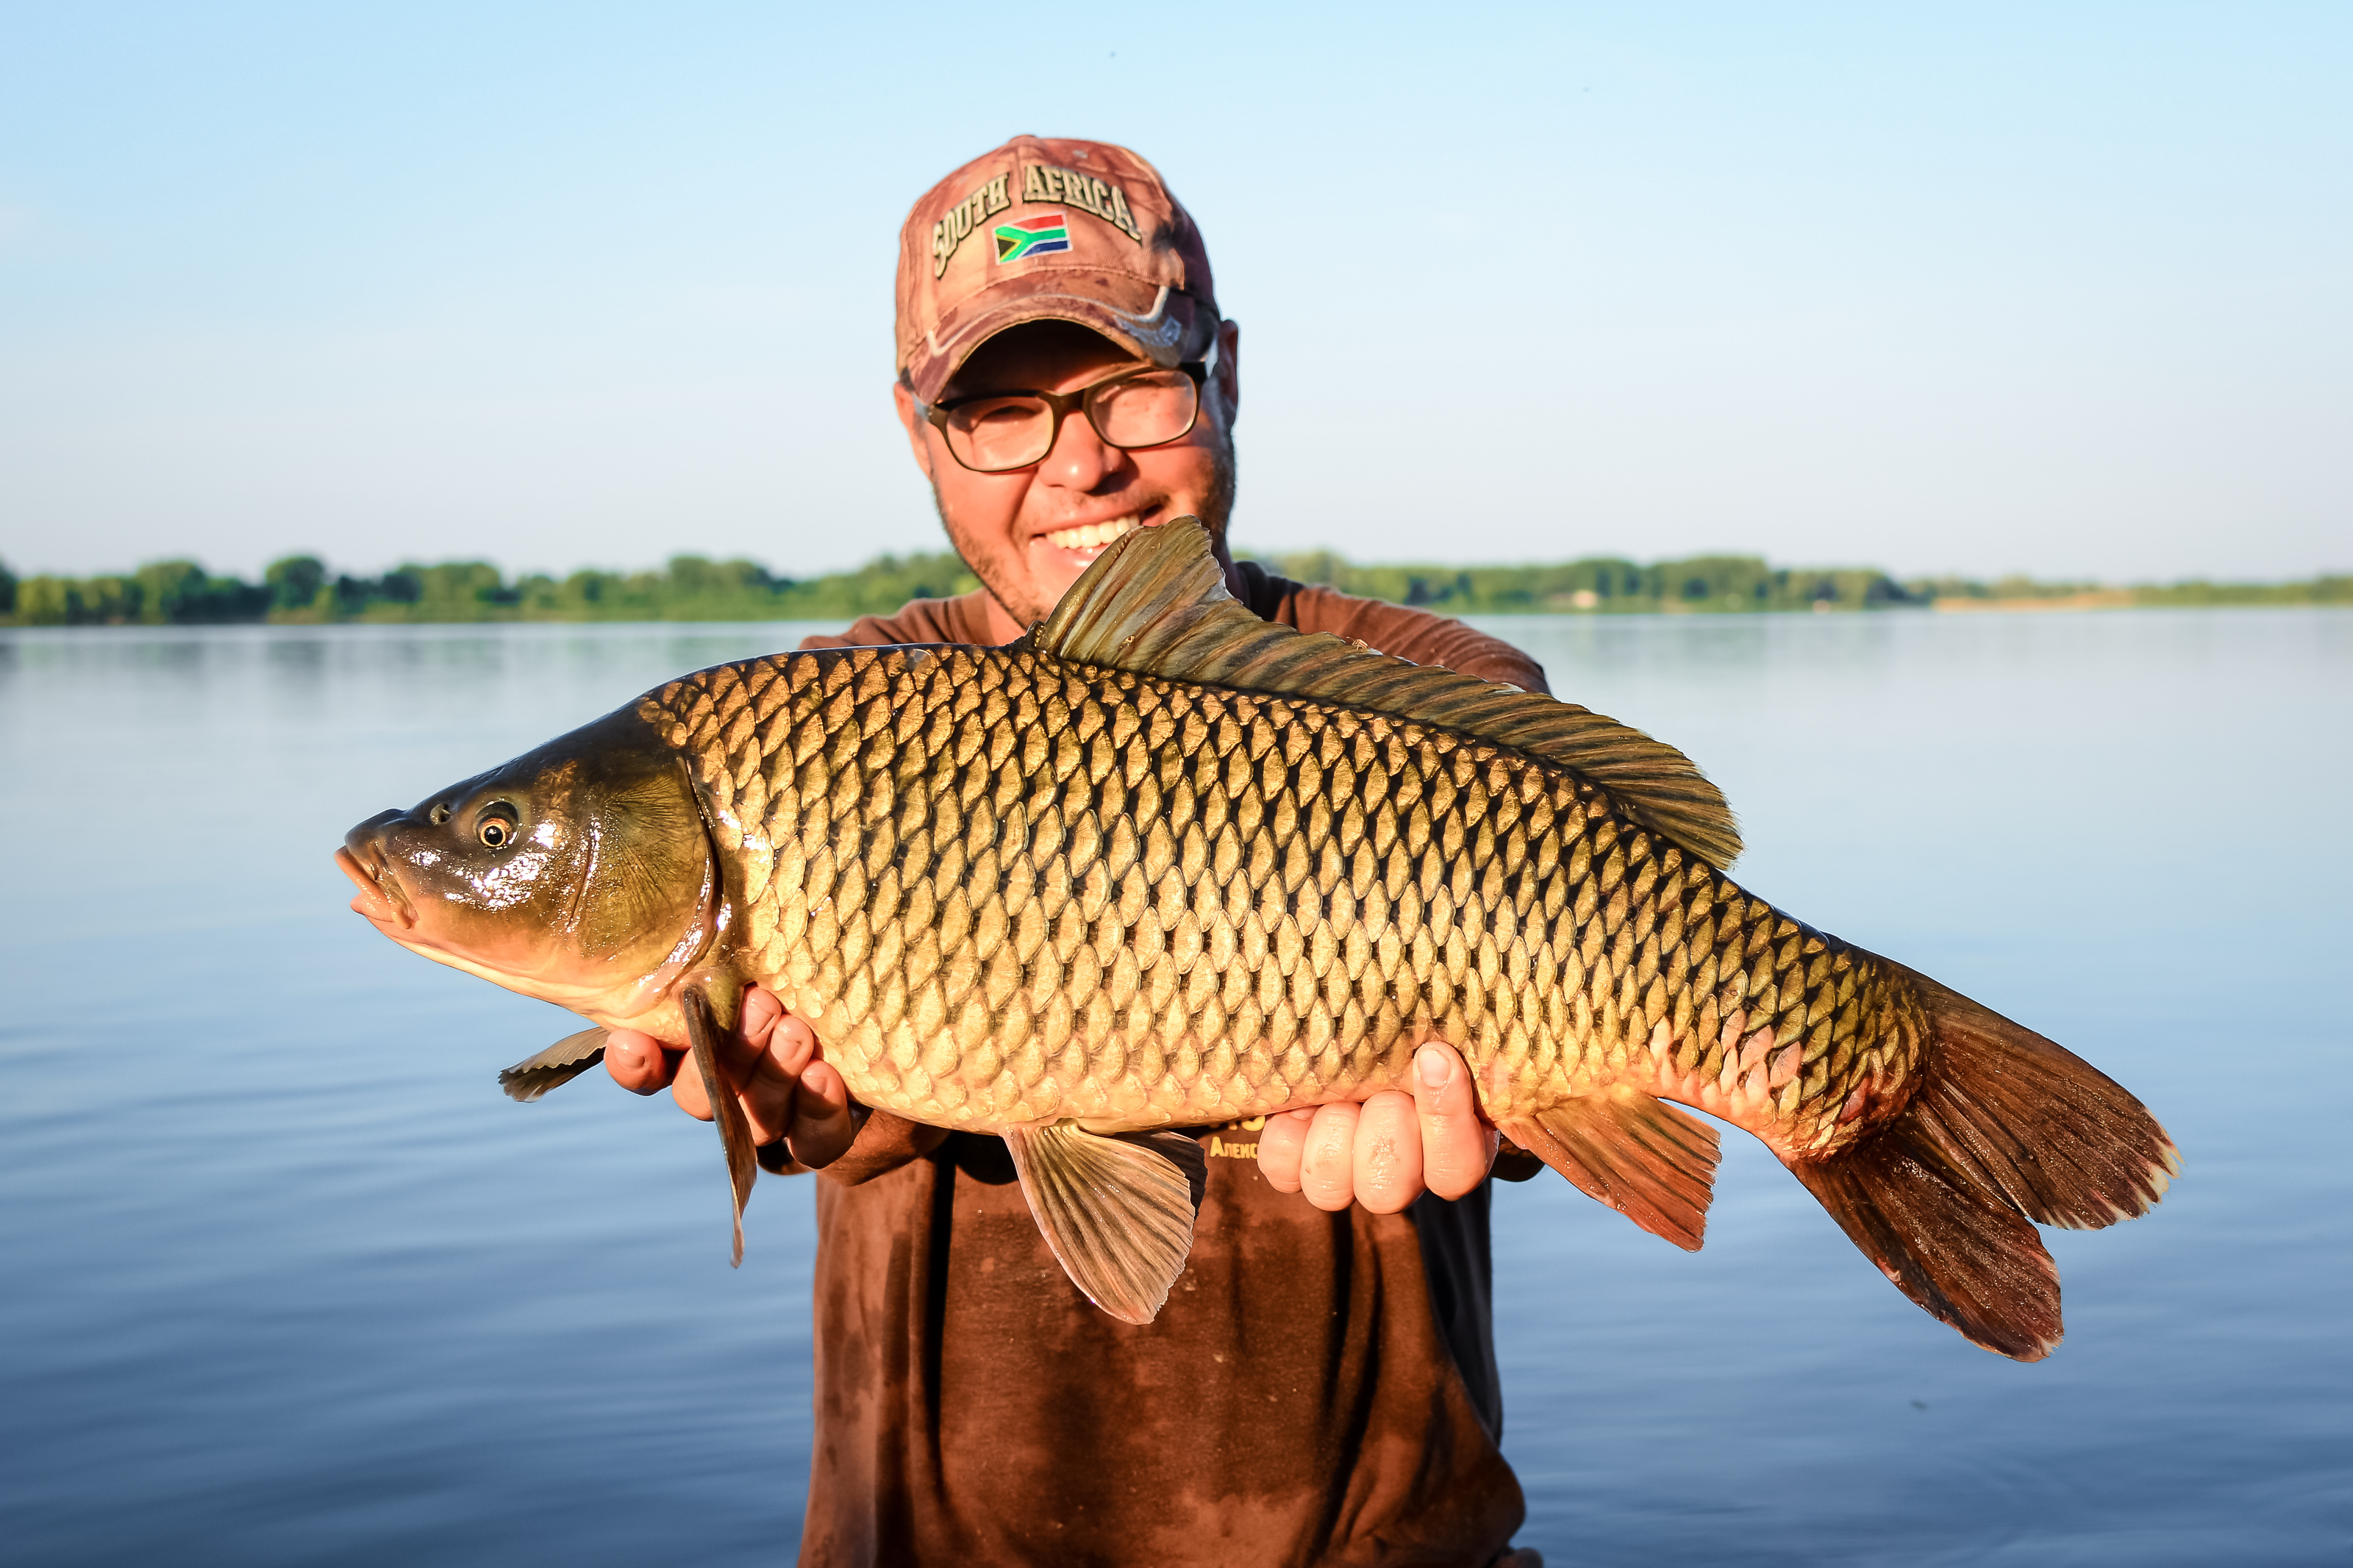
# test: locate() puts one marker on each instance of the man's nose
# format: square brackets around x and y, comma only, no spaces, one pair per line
[1081,459]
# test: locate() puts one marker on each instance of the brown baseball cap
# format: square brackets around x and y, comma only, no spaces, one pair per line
[1044,228]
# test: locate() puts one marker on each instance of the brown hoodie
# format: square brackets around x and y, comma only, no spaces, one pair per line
[1321,1388]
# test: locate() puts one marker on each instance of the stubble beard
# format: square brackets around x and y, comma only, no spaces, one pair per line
[1006,585]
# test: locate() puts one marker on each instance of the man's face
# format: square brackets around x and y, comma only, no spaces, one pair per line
[1029,534]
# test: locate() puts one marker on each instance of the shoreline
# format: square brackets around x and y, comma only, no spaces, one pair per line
[2109,600]
[2099,599]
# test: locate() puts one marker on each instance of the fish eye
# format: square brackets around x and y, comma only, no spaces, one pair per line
[497,828]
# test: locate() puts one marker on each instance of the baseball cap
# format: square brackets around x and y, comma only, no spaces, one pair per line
[1047,228]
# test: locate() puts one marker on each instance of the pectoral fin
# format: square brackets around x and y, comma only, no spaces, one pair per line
[734,1132]
[1646,1160]
[554,1067]
[1116,1208]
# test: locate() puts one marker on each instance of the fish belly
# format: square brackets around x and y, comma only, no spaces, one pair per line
[1005,889]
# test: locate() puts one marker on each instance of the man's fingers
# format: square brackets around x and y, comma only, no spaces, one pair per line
[792,1045]
[1327,1171]
[763,1058]
[1457,1146]
[822,1128]
[1280,1143]
[637,1062]
[757,1016]
[738,1054]
[766,1052]
[1388,1153]
[773,1099]
[686,1088]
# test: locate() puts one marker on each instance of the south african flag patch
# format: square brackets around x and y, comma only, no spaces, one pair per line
[1025,237]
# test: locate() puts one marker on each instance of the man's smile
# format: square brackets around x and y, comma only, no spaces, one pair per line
[1091,538]
[1092,535]
[1081,542]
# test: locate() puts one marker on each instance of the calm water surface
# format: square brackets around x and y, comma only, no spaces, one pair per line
[283,1279]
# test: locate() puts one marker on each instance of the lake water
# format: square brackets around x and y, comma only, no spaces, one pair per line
[284,1278]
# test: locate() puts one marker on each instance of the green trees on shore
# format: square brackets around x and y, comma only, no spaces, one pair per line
[302,589]
[163,591]
[1702,583]
[1736,584]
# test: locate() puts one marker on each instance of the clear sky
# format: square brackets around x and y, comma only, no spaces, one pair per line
[2064,289]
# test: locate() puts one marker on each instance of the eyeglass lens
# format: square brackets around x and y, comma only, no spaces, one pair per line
[998,433]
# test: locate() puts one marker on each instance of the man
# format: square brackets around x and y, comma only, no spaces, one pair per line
[1321,1387]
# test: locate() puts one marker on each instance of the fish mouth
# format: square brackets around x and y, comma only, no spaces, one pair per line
[380,899]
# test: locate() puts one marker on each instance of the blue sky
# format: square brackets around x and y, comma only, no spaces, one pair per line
[2058,289]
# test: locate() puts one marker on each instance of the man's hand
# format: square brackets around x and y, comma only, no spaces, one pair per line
[787,1090]
[1387,1152]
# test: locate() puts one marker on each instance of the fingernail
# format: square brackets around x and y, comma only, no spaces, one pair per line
[621,1058]
[1430,1063]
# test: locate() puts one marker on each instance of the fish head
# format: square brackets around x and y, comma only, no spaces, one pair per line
[581,873]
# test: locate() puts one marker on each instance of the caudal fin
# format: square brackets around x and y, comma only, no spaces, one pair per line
[2008,1128]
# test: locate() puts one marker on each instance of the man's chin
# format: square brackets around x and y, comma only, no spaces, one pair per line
[1055,567]
[1054,570]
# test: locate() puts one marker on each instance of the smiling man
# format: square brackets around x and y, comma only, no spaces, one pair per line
[1321,1387]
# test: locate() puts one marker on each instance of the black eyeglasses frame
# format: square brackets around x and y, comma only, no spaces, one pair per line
[1061,405]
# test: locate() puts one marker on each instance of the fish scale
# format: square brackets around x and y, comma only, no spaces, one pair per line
[1003,888]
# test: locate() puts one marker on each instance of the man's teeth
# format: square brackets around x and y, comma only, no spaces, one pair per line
[1092,535]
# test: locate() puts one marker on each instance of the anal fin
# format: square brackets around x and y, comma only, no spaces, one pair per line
[1648,1161]
[1116,1208]
[554,1067]
[734,1131]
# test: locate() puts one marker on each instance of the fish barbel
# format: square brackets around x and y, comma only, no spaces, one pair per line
[1162,865]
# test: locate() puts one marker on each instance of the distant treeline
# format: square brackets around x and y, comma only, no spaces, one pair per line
[1721,583]
[1735,583]
[301,589]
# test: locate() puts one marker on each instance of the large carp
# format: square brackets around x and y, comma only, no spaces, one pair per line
[1160,864]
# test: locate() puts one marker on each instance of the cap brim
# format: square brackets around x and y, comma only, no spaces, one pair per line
[1159,326]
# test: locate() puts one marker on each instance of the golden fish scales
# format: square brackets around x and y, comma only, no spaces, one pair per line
[1161,864]
[1004,889]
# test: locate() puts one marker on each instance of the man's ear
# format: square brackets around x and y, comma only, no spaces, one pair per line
[916,424]
[1228,371]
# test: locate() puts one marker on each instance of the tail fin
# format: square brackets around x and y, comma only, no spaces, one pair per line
[2007,1128]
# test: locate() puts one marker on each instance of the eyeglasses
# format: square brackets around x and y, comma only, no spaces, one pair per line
[995,432]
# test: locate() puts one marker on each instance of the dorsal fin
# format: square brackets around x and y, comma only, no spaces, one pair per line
[1155,602]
